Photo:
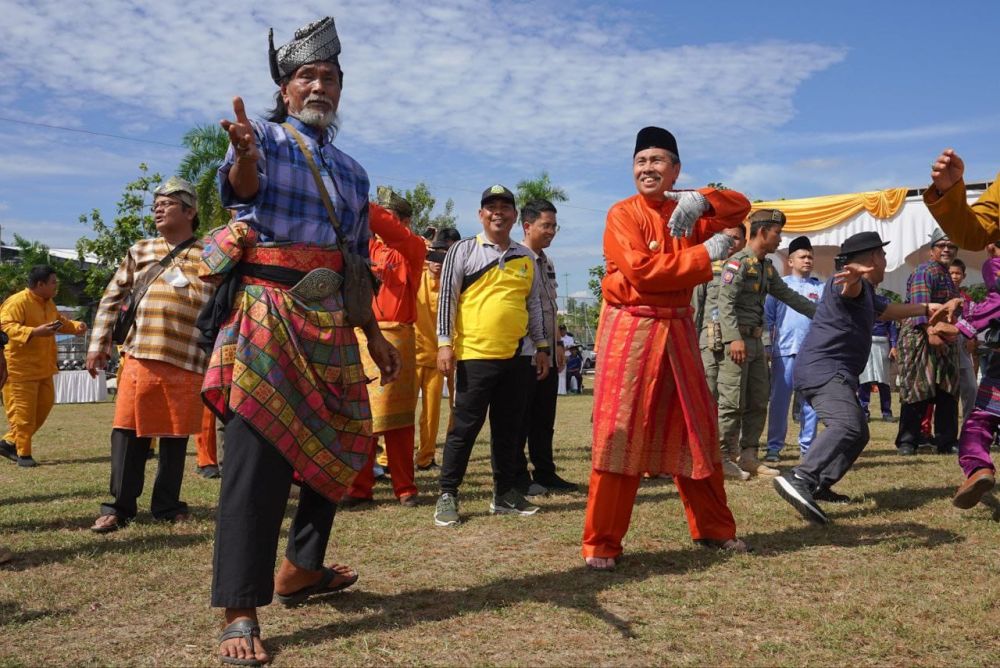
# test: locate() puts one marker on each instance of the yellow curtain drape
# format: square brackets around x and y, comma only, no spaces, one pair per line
[818,213]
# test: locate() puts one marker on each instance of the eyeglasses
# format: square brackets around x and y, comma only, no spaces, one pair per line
[549,228]
[951,247]
[164,203]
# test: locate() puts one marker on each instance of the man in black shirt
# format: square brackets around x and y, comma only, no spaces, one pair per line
[832,356]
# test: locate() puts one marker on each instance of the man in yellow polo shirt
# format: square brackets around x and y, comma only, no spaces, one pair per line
[489,300]
[31,320]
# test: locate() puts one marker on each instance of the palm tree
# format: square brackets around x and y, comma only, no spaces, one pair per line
[207,146]
[540,188]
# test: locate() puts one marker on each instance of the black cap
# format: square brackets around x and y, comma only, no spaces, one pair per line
[498,192]
[862,241]
[800,243]
[444,238]
[654,137]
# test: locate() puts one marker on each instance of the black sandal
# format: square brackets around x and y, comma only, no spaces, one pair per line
[321,587]
[241,628]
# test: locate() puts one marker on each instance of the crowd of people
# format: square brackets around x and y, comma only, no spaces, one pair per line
[313,324]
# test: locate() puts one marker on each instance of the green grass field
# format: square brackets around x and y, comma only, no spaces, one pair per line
[900,579]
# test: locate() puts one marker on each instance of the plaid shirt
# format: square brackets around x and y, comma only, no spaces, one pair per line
[288,206]
[930,283]
[165,322]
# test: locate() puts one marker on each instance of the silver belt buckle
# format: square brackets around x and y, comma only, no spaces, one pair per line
[317,285]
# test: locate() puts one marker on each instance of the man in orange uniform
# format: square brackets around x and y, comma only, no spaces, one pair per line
[652,409]
[429,379]
[397,256]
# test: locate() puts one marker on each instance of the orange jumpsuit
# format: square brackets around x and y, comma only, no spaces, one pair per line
[397,256]
[661,418]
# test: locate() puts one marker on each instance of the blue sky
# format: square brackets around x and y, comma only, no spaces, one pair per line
[778,99]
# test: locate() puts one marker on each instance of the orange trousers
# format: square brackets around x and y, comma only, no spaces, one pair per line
[206,442]
[399,448]
[612,495]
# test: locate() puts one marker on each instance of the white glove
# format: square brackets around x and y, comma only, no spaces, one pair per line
[718,246]
[691,205]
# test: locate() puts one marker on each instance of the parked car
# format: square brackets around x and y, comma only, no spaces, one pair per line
[589,356]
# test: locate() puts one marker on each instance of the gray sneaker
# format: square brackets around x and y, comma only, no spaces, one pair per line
[446,511]
[772,458]
[512,503]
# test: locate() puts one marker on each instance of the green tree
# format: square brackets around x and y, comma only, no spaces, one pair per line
[540,187]
[422,201]
[596,275]
[14,271]
[110,244]
[207,146]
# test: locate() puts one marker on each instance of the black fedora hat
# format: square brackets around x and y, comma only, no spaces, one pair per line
[860,242]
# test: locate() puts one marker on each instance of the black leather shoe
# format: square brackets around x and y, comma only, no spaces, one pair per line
[907,450]
[8,450]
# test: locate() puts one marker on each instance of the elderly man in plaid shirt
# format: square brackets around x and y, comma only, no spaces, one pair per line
[285,374]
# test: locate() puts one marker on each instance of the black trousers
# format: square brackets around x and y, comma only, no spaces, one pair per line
[499,387]
[945,421]
[845,436]
[128,475]
[252,505]
[537,428]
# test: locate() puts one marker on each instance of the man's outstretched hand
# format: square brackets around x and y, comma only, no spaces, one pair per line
[241,132]
[691,205]
[947,170]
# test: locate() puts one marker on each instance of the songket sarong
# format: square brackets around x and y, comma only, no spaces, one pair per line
[393,405]
[877,369]
[652,409]
[921,369]
[292,370]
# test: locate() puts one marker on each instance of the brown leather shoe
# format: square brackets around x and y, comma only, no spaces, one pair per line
[409,501]
[972,490]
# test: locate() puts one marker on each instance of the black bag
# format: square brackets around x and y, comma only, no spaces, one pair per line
[125,320]
[360,282]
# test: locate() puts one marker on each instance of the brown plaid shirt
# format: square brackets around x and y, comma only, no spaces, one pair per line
[165,322]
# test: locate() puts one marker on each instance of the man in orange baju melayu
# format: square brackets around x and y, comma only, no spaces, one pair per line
[653,412]
[397,256]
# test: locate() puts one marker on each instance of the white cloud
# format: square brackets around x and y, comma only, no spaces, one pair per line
[515,80]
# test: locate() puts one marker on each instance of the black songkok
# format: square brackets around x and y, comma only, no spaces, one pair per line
[800,243]
[653,137]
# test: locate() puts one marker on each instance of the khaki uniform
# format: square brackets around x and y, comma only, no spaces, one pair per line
[743,389]
[705,301]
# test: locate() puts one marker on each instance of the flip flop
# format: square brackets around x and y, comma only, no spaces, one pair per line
[241,628]
[321,587]
[108,528]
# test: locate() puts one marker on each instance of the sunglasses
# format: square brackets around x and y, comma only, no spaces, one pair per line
[951,247]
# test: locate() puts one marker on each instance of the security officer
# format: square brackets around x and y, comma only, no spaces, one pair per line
[744,380]
[706,322]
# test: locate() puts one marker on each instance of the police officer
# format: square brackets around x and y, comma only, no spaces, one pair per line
[705,301]
[744,381]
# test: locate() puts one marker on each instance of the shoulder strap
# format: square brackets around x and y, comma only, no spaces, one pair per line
[319,179]
[142,283]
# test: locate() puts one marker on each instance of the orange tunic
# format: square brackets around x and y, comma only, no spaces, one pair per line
[648,267]
[653,412]
[397,256]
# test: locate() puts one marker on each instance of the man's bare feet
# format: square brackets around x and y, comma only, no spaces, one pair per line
[106,524]
[600,563]
[291,578]
[237,650]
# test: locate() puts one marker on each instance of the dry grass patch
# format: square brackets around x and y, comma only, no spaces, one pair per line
[900,578]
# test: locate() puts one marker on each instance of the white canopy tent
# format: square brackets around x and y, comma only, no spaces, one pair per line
[909,231]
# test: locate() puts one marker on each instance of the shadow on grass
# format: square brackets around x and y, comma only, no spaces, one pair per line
[900,498]
[12,614]
[44,498]
[102,545]
[911,461]
[103,459]
[580,588]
